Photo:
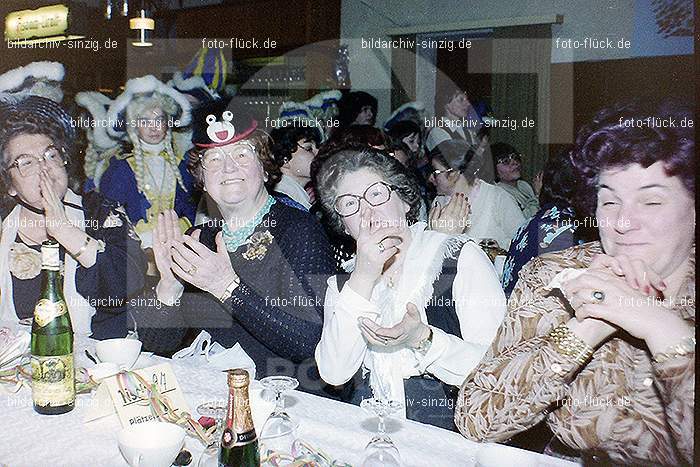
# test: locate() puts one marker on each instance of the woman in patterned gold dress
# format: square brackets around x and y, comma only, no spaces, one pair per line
[599,338]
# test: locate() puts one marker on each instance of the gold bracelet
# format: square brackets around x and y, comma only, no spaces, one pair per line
[569,344]
[235,282]
[684,347]
[83,248]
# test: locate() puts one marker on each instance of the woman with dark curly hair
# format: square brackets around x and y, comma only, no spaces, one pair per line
[257,277]
[608,356]
[418,309]
[294,149]
[103,261]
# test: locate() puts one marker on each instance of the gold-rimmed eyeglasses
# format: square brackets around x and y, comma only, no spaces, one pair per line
[213,160]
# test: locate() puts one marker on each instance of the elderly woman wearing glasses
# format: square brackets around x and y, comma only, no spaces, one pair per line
[103,260]
[418,308]
[258,276]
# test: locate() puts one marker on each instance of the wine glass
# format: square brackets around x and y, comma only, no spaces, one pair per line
[217,411]
[381,450]
[279,431]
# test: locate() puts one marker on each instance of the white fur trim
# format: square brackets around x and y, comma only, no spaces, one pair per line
[332,94]
[182,140]
[147,85]
[416,105]
[316,101]
[291,105]
[13,79]
[97,104]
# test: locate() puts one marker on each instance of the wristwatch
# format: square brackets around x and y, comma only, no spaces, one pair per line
[424,345]
[232,286]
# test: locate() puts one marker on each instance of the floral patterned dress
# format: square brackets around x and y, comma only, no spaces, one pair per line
[620,406]
[552,228]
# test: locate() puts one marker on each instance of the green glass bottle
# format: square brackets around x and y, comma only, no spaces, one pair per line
[239,443]
[53,370]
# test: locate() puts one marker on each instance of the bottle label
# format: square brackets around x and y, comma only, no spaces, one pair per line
[53,380]
[46,311]
[231,439]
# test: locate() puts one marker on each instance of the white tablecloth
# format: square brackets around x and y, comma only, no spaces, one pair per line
[341,430]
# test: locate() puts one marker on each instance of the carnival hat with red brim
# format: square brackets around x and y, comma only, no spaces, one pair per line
[217,124]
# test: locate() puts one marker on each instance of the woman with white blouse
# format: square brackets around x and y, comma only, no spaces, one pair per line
[418,308]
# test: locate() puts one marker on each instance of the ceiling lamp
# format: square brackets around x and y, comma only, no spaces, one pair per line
[143,24]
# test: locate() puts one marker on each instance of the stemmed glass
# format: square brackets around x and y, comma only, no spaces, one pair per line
[279,431]
[217,411]
[381,450]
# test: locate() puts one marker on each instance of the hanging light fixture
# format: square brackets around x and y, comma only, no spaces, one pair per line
[142,24]
[125,7]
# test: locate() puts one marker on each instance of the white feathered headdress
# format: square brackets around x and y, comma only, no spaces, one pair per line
[147,85]
[97,105]
[41,79]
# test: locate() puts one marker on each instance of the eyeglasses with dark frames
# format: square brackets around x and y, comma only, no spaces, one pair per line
[437,172]
[309,146]
[375,195]
[508,158]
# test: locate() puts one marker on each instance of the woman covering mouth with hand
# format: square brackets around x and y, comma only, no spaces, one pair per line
[418,309]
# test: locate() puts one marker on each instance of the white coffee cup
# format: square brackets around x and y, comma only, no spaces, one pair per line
[123,352]
[151,444]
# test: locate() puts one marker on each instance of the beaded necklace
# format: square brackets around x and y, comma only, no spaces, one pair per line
[238,237]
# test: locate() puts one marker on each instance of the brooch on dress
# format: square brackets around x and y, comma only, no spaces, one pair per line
[257,245]
[25,262]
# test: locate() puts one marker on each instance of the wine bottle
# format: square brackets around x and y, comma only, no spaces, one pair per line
[239,443]
[53,371]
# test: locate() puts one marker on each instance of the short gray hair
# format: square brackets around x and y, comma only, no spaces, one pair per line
[346,161]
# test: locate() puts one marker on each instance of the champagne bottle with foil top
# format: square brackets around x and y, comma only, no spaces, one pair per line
[53,370]
[239,443]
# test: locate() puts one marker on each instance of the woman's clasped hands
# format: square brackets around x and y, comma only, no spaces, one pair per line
[622,293]
[179,256]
